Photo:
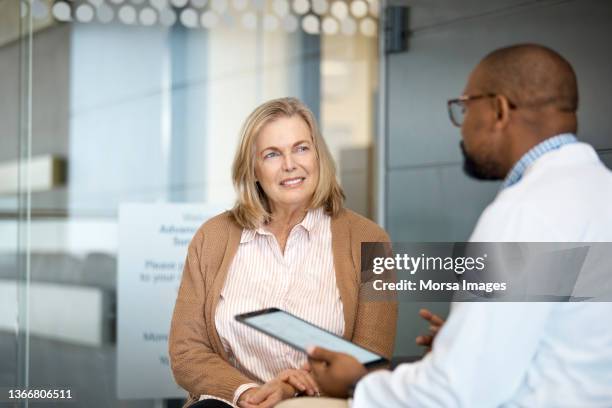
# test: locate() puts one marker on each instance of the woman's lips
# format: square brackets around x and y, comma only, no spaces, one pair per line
[292,182]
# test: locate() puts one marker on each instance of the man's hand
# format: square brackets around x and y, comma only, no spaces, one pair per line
[435,324]
[334,372]
[283,386]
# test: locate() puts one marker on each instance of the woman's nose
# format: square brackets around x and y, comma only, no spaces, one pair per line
[288,163]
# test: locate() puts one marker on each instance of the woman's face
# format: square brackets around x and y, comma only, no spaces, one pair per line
[286,163]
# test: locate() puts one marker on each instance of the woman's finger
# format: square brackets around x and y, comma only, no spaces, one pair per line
[310,383]
[284,375]
[273,399]
[291,377]
[313,384]
[260,395]
[296,382]
[302,379]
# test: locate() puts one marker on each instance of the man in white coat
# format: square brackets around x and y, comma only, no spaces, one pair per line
[518,123]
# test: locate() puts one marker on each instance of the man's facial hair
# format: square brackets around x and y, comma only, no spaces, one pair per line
[474,170]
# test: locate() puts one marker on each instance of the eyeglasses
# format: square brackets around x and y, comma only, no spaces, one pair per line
[457,107]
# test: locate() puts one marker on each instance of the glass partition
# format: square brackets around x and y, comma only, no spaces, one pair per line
[15,179]
[128,116]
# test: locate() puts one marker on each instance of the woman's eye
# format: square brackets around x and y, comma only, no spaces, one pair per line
[302,148]
[270,155]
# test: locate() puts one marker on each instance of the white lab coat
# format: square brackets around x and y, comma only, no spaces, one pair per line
[521,354]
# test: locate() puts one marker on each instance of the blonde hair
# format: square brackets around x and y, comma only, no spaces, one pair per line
[252,208]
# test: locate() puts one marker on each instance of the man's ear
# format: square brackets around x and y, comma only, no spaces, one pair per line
[502,111]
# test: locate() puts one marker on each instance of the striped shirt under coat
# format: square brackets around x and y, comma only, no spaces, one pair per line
[301,281]
[199,361]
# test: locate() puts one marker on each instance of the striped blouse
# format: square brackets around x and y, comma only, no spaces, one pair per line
[301,281]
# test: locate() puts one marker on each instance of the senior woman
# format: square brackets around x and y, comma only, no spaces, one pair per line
[287,243]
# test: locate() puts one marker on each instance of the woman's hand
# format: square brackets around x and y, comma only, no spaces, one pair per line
[245,397]
[285,385]
[301,380]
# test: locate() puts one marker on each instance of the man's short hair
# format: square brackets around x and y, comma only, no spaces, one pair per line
[531,75]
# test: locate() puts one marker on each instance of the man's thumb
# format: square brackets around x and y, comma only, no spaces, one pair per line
[319,353]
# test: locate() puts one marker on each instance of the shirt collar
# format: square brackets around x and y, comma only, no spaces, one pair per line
[247,235]
[312,219]
[309,223]
[548,145]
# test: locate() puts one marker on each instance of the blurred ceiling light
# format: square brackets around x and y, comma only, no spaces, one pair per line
[359,8]
[310,24]
[84,13]
[61,11]
[189,18]
[330,26]
[105,14]
[127,15]
[148,16]
[301,6]
[339,9]
[368,27]
[329,17]
[280,7]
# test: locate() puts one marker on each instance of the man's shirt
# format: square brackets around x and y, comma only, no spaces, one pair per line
[521,354]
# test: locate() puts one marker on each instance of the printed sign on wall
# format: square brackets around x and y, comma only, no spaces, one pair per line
[153,241]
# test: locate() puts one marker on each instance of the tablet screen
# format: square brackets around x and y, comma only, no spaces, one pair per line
[301,334]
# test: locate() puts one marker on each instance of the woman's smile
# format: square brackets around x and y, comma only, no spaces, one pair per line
[293,182]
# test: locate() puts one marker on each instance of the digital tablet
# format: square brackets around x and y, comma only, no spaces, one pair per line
[300,334]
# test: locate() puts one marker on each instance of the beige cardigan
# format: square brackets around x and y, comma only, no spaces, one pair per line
[199,362]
